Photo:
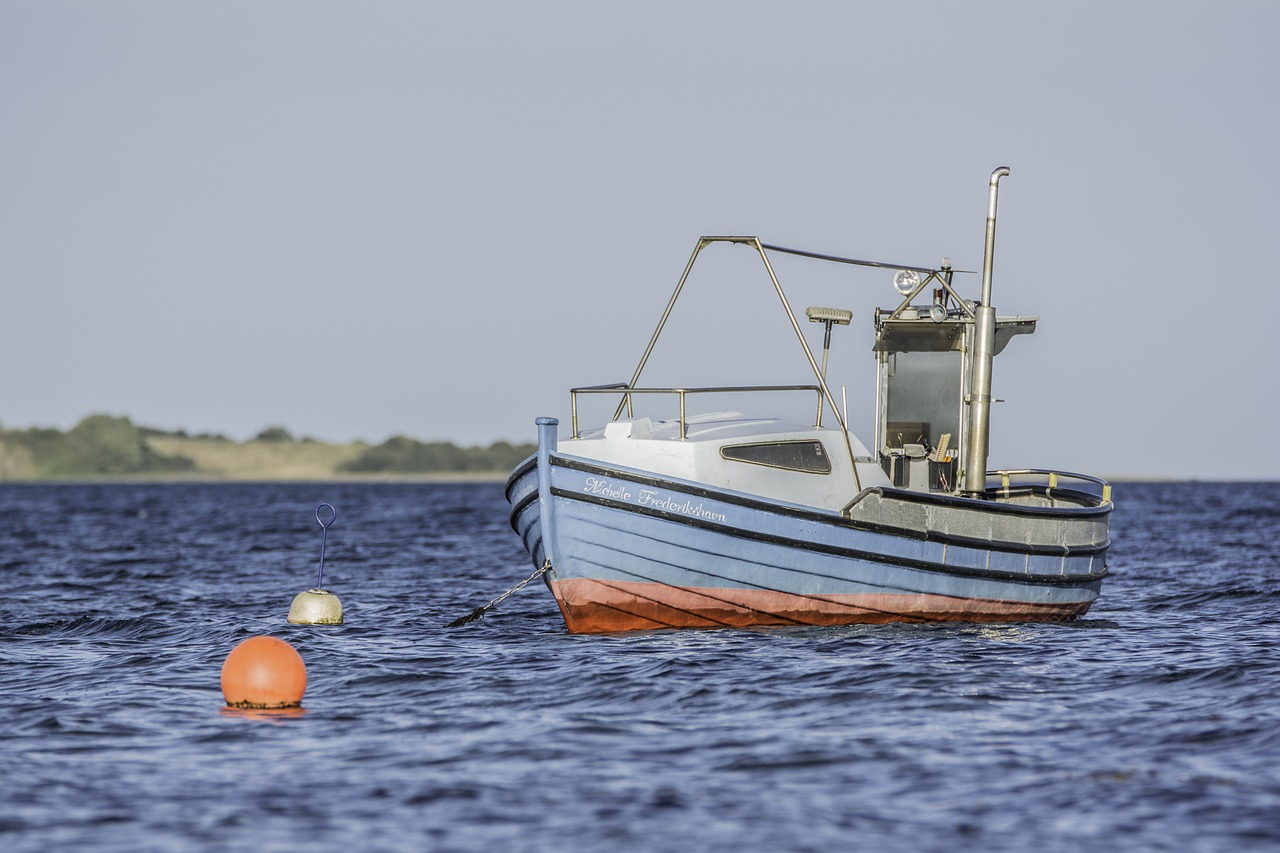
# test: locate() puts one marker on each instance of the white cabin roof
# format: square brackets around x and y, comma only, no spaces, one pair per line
[655,447]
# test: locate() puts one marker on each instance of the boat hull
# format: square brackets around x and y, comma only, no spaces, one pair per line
[629,551]
[597,606]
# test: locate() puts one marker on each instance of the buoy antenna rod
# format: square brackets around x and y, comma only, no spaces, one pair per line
[324,536]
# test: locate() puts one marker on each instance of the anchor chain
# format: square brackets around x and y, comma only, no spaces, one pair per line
[480,611]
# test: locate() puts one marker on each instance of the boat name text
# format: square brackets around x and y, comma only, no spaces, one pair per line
[596,486]
[650,498]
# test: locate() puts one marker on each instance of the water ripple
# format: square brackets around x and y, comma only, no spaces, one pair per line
[1150,720]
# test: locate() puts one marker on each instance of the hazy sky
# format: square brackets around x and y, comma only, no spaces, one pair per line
[362,219]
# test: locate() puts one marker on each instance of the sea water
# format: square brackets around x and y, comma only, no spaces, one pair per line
[1153,723]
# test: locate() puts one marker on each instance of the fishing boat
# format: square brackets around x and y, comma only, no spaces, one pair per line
[708,519]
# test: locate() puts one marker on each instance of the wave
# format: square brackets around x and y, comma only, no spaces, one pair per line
[79,627]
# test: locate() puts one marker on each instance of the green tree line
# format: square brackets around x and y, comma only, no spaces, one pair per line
[105,445]
[98,445]
[409,456]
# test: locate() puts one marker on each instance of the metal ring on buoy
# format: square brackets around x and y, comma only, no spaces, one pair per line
[324,536]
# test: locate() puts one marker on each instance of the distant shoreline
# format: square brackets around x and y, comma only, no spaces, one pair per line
[108,449]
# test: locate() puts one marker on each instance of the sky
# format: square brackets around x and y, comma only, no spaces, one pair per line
[358,220]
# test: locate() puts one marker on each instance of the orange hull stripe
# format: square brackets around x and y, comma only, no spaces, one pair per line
[597,606]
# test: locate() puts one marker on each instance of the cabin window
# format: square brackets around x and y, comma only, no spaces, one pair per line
[807,456]
[922,398]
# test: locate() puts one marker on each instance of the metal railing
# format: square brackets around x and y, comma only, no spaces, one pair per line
[1005,483]
[627,393]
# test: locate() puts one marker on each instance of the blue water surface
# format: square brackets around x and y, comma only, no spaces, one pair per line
[1153,723]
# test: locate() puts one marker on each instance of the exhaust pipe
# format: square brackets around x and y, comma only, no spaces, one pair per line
[989,249]
[984,345]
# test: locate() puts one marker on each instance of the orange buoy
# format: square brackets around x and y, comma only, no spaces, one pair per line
[264,672]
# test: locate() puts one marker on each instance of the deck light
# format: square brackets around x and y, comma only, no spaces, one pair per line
[905,281]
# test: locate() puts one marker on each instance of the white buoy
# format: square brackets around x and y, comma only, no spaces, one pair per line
[318,606]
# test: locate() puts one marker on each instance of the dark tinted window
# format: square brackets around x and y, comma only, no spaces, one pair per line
[808,456]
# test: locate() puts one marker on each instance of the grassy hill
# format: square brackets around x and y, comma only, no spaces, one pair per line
[102,447]
[258,460]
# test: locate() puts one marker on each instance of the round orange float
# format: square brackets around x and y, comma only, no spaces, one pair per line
[264,672]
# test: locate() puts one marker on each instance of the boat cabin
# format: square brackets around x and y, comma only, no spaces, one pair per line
[923,388]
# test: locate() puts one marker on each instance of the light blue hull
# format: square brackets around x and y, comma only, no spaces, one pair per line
[632,551]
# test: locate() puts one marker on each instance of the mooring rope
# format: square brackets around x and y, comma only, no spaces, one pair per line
[480,611]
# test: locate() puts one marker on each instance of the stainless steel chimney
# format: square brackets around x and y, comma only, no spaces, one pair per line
[984,344]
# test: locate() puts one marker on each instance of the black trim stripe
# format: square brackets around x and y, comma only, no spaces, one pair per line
[988,506]
[903,494]
[520,470]
[985,544]
[518,508]
[841,521]
[837,551]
